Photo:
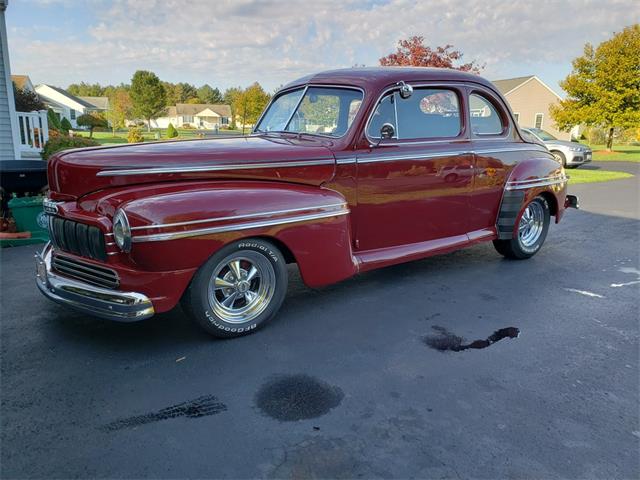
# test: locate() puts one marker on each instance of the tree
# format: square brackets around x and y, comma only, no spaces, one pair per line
[26,100]
[207,94]
[413,52]
[147,96]
[119,109]
[135,136]
[185,91]
[250,103]
[91,120]
[83,89]
[171,131]
[230,98]
[603,88]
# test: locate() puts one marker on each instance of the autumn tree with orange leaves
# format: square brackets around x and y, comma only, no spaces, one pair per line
[414,53]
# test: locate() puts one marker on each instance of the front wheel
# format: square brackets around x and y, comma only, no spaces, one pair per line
[559,156]
[532,232]
[240,288]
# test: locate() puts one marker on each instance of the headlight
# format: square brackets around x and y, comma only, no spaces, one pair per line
[122,231]
[575,149]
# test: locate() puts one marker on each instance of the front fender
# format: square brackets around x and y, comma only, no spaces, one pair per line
[180,229]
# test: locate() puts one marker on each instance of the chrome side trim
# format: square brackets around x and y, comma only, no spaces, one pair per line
[346,161]
[236,227]
[239,217]
[213,168]
[538,182]
[449,153]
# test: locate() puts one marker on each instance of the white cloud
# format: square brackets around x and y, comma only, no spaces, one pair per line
[235,42]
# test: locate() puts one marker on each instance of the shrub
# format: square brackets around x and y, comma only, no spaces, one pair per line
[65,125]
[171,131]
[64,142]
[135,136]
[54,121]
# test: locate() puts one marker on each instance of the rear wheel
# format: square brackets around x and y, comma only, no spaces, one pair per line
[239,288]
[531,234]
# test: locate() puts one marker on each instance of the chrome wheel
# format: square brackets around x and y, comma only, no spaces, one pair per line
[531,225]
[241,287]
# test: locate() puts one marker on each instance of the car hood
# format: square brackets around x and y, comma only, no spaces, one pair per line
[566,144]
[303,160]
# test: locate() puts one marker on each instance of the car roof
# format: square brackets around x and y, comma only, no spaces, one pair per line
[376,78]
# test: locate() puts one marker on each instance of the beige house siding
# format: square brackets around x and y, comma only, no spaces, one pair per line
[530,99]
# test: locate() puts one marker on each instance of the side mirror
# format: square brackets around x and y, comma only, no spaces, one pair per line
[387,131]
[405,90]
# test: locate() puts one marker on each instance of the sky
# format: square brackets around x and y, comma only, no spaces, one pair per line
[235,43]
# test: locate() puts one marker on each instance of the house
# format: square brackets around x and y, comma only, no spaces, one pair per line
[196,115]
[101,104]
[64,104]
[530,99]
[23,82]
[22,134]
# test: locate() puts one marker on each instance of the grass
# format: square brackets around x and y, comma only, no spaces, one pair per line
[621,153]
[593,176]
[107,138]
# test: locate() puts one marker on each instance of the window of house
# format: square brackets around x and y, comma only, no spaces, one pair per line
[224,120]
[517,117]
[539,119]
[72,114]
[485,118]
[428,113]
[187,119]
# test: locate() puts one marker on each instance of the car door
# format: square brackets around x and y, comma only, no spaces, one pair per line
[497,149]
[414,186]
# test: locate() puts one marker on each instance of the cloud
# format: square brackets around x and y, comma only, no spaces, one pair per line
[235,42]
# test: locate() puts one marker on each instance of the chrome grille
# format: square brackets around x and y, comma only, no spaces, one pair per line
[84,271]
[77,238]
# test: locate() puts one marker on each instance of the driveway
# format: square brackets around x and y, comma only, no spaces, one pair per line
[349,380]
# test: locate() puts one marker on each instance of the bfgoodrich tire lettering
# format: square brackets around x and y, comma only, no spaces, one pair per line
[531,232]
[239,288]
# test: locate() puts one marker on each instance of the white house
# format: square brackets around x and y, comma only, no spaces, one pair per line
[64,104]
[21,133]
[196,115]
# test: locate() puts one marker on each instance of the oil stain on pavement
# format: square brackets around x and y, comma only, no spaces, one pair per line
[445,340]
[297,397]
[200,407]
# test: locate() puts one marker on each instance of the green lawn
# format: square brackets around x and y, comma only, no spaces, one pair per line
[107,138]
[621,153]
[592,176]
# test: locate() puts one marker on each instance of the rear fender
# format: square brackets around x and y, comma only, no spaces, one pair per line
[529,179]
[180,230]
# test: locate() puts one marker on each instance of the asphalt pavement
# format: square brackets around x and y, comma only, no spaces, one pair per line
[458,366]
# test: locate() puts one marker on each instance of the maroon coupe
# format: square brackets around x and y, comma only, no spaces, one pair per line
[345,171]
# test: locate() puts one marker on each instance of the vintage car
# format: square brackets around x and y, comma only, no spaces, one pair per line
[346,171]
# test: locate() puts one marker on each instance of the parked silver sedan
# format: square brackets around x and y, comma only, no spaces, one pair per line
[570,154]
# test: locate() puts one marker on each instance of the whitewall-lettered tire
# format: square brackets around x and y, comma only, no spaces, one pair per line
[238,289]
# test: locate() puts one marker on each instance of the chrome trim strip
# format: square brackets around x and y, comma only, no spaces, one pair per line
[235,227]
[541,183]
[346,161]
[535,180]
[239,217]
[448,153]
[213,168]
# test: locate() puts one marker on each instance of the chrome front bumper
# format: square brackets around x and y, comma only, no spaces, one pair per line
[96,301]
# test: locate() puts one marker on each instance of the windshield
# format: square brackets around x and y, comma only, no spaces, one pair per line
[542,135]
[316,110]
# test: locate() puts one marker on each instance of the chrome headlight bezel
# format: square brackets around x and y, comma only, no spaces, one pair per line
[575,149]
[122,231]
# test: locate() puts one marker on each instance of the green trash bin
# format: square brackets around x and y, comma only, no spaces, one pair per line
[30,217]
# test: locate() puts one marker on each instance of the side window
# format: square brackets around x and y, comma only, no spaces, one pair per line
[429,113]
[385,112]
[485,119]
[72,114]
